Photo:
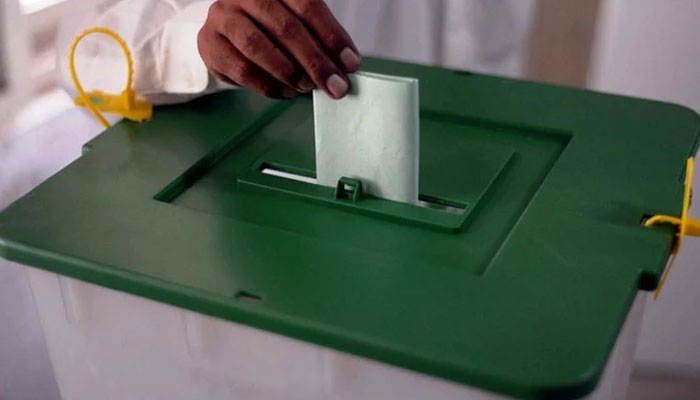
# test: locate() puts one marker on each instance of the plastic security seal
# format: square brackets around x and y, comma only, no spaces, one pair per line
[683,225]
[125,104]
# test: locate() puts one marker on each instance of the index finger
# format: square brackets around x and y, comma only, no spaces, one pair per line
[316,15]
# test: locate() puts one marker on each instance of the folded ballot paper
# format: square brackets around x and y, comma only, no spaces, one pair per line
[370,135]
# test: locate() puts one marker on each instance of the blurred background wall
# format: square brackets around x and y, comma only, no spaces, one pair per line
[13,58]
[646,48]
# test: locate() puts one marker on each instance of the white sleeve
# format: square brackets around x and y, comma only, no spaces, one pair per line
[162,36]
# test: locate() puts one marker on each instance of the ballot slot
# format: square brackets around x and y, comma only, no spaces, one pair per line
[288,175]
[425,201]
[279,179]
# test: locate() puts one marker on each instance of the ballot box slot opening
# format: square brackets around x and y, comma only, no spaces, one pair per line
[424,201]
[289,175]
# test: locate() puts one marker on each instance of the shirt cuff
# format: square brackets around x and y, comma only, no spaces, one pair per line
[182,68]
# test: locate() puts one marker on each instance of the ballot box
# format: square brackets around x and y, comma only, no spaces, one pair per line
[194,256]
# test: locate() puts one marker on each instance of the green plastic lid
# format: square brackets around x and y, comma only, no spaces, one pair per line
[515,276]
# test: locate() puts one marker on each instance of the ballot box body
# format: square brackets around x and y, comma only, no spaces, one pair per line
[513,277]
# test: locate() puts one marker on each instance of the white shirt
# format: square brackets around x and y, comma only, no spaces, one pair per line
[481,35]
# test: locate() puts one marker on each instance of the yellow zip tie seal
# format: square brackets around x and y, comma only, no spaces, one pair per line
[684,225]
[125,104]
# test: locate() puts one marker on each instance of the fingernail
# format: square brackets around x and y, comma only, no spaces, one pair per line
[305,84]
[337,86]
[350,59]
[289,93]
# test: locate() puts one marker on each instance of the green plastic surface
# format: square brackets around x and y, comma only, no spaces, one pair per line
[524,295]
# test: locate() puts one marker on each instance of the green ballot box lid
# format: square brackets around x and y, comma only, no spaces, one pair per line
[514,273]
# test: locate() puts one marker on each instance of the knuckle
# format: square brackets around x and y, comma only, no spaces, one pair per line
[232,4]
[243,71]
[251,42]
[315,64]
[229,27]
[207,48]
[288,28]
[201,37]
[217,62]
[309,9]
[333,40]
[287,74]
[202,43]
[214,9]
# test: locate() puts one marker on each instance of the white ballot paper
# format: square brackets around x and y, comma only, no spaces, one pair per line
[371,135]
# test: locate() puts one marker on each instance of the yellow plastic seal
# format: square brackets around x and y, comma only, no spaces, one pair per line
[125,104]
[684,225]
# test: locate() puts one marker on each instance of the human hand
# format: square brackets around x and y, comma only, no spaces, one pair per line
[278,48]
